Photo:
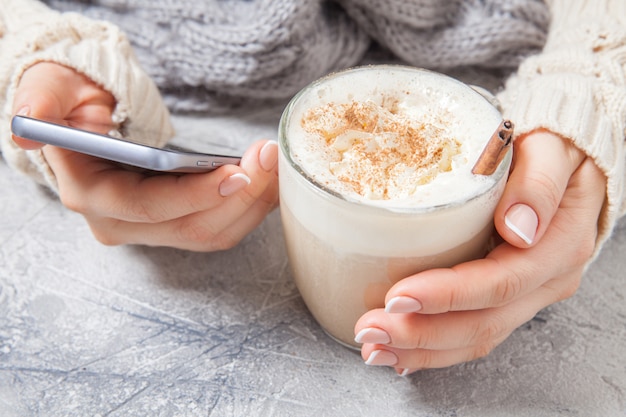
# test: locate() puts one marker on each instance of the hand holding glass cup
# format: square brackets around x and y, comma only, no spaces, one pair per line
[385,171]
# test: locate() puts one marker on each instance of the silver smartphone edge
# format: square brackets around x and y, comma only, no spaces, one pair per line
[117,150]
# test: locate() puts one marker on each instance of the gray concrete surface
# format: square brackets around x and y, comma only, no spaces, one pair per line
[89,330]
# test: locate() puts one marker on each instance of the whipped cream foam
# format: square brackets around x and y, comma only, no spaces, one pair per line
[381,152]
[397,141]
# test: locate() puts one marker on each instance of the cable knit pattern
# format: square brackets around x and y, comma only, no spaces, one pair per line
[210,55]
[445,34]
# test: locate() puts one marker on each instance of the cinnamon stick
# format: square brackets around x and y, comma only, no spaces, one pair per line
[495,150]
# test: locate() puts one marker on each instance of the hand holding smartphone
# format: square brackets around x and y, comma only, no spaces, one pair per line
[95,140]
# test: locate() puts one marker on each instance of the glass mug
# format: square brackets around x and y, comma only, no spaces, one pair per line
[346,252]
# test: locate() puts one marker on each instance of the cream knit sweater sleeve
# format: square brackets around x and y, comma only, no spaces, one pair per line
[577,88]
[32,33]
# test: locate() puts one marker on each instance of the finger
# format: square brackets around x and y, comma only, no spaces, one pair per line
[252,218]
[449,338]
[52,90]
[508,272]
[49,90]
[21,142]
[98,188]
[452,338]
[260,163]
[217,228]
[461,329]
[207,232]
[415,359]
[542,168]
[135,197]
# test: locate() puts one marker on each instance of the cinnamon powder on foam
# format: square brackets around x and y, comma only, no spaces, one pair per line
[379,151]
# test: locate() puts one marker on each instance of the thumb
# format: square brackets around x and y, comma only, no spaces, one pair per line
[24,110]
[36,97]
[45,90]
[543,165]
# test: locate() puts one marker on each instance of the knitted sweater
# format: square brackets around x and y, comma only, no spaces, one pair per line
[212,55]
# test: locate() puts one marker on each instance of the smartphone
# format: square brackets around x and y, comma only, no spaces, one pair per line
[113,144]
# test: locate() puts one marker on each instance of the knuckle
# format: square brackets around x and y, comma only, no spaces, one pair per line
[195,233]
[482,351]
[584,250]
[507,289]
[570,290]
[459,296]
[73,201]
[227,239]
[457,300]
[270,199]
[201,237]
[544,186]
[106,239]
[420,340]
[141,211]
[566,287]
[224,243]
[247,198]
[425,360]
[105,236]
[485,332]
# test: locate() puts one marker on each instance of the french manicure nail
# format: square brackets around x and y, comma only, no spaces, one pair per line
[405,371]
[268,156]
[373,335]
[403,304]
[522,220]
[382,358]
[234,183]
[23,111]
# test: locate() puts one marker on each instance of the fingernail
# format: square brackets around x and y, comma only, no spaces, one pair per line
[373,335]
[23,111]
[268,156]
[234,183]
[405,371]
[523,221]
[382,358]
[403,304]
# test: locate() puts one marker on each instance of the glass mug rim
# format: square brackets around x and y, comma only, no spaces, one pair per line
[336,196]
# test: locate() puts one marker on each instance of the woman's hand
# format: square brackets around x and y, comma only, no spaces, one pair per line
[202,212]
[548,218]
